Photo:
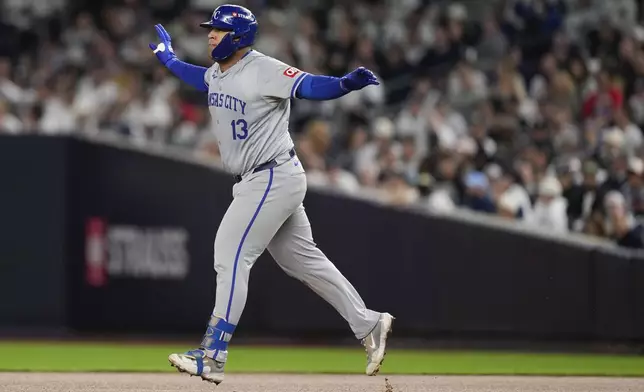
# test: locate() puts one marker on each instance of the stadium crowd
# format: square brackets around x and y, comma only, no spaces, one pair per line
[531,110]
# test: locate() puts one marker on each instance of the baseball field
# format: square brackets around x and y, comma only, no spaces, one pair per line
[114,367]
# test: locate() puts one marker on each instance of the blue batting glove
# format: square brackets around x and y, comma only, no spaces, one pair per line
[357,79]
[163,50]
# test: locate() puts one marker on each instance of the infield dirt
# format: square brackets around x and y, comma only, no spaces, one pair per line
[137,382]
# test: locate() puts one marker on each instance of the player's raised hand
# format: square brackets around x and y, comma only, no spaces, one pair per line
[163,50]
[359,78]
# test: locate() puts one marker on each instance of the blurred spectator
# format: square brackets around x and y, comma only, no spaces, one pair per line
[441,57]
[396,72]
[79,37]
[611,147]
[486,148]
[396,190]
[566,136]
[547,70]
[510,85]
[620,225]
[195,124]
[409,160]
[603,40]
[477,196]
[512,199]
[636,103]
[447,124]
[466,85]
[413,122]
[340,179]
[313,146]
[439,175]
[147,117]
[436,196]
[8,122]
[9,90]
[579,193]
[562,91]
[59,115]
[190,41]
[371,157]
[550,208]
[94,94]
[349,145]
[633,189]
[632,133]
[492,47]
[605,100]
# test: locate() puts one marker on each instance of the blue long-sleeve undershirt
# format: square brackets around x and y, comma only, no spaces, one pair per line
[312,87]
[188,73]
[320,88]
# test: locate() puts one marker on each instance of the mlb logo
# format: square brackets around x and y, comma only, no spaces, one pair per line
[291,72]
[235,14]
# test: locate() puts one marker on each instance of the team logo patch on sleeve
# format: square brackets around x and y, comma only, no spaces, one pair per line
[291,72]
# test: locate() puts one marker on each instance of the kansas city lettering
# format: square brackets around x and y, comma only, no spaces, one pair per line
[227,102]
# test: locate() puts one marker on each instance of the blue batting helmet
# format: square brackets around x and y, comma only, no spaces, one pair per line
[241,25]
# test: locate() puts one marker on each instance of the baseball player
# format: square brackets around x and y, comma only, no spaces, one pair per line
[249,97]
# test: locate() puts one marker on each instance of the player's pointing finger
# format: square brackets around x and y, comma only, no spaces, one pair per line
[163,35]
[166,34]
[159,30]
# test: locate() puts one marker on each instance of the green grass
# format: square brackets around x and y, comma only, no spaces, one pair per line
[106,357]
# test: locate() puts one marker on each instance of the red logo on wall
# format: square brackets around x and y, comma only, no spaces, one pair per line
[291,72]
[95,252]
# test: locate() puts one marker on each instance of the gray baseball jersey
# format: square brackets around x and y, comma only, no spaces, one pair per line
[250,106]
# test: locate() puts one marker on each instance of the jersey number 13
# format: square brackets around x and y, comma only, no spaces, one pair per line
[240,129]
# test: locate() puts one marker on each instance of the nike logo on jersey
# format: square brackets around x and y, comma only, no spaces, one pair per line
[226,101]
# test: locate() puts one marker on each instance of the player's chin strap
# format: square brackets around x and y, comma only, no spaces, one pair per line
[215,341]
